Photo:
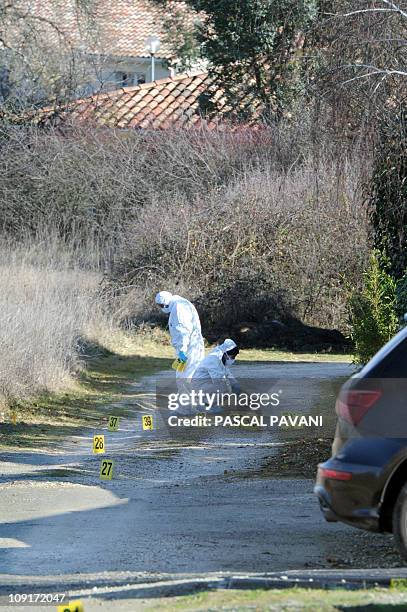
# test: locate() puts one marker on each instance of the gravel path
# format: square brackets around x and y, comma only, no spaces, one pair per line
[197,504]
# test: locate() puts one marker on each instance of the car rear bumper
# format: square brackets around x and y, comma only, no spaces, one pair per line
[347,501]
[324,504]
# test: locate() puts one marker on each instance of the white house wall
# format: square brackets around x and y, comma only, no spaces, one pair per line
[106,74]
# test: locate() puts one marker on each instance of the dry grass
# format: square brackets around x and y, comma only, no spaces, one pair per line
[52,310]
[48,305]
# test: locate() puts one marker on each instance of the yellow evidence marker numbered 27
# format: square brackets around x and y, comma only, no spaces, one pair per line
[99,443]
[113,423]
[106,469]
[148,422]
[72,606]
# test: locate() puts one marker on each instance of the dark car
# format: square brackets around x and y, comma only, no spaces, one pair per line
[364,483]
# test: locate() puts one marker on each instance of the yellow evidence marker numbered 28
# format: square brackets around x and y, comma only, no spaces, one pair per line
[72,606]
[106,469]
[99,443]
[113,423]
[148,422]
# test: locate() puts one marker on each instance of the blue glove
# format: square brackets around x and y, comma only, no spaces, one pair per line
[182,357]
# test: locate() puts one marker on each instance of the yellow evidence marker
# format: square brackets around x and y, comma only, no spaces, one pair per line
[72,606]
[148,422]
[106,469]
[179,365]
[99,443]
[113,424]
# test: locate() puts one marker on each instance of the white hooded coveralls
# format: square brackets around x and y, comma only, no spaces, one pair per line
[212,375]
[186,334]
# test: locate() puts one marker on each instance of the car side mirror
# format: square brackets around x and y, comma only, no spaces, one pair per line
[405,317]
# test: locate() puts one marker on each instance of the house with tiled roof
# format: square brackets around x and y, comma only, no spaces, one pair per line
[165,103]
[114,35]
[182,101]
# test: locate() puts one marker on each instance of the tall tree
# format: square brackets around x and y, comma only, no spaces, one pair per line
[252,48]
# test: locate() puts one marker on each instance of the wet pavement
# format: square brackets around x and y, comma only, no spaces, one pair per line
[195,503]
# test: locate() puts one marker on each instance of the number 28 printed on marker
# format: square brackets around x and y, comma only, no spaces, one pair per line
[99,444]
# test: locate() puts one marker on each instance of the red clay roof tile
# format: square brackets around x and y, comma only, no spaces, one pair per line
[118,27]
[160,105]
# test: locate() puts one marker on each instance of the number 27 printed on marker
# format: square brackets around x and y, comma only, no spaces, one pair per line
[106,469]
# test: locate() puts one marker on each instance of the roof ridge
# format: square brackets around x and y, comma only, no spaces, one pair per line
[171,102]
[102,96]
[177,77]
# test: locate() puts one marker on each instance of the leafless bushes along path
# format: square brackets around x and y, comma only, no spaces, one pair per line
[251,224]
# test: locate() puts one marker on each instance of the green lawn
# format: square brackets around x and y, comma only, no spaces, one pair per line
[275,355]
[152,349]
[290,599]
[315,600]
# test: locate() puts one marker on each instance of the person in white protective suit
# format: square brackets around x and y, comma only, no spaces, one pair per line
[185,331]
[212,375]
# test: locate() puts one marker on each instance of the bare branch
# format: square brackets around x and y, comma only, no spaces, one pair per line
[360,12]
[393,8]
[374,71]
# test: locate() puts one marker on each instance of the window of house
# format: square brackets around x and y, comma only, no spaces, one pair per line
[124,79]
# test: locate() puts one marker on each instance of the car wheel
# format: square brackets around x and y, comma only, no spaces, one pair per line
[400,522]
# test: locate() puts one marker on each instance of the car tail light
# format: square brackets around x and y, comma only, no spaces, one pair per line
[334,474]
[353,405]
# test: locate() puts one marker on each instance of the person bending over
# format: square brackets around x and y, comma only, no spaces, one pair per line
[185,332]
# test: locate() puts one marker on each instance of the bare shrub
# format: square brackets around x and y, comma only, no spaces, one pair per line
[79,183]
[267,245]
[251,224]
[88,181]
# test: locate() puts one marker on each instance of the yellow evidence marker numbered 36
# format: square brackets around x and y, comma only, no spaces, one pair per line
[106,469]
[72,606]
[99,443]
[113,423]
[148,422]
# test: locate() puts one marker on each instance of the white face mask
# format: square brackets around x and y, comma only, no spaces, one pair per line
[164,309]
[229,361]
